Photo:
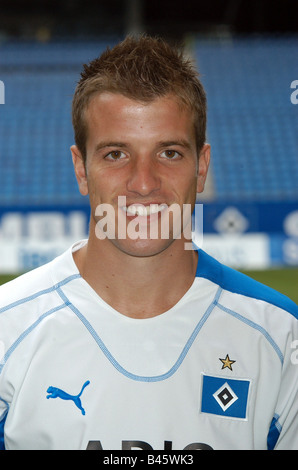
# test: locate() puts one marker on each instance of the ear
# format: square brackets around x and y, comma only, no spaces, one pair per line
[203,165]
[80,169]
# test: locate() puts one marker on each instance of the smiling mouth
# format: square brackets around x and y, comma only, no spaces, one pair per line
[144,211]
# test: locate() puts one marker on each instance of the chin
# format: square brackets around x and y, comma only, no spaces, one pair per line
[142,248]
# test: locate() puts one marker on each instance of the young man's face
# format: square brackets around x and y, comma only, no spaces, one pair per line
[147,154]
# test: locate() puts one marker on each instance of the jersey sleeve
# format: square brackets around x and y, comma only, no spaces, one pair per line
[283,434]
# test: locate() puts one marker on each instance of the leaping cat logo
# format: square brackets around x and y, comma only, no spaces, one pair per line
[55,392]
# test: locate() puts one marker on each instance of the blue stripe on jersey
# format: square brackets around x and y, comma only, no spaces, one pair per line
[234,281]
[39,293]
[26,333]
[116,364]
[2,423]
[274,432]
[256,327]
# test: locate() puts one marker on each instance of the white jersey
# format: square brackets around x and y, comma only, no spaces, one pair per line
[217,371]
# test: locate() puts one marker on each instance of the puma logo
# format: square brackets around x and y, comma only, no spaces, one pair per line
[55,392]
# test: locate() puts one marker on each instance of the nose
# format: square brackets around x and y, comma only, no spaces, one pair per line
[143,178]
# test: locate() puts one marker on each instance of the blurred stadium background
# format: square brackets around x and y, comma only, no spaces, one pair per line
[246,52]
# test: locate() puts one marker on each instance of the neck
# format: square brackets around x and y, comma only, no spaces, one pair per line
[139,287]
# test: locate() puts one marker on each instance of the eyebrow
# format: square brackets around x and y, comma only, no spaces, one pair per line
[170,143]
[167,143]
[102,145]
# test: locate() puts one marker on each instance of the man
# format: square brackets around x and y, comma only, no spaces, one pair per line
[129,340]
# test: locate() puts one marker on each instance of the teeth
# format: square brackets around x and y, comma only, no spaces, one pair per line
[137,209]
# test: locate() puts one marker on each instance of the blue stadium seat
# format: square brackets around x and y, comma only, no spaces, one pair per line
[252,124]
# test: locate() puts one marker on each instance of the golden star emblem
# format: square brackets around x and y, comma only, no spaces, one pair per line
[227,362]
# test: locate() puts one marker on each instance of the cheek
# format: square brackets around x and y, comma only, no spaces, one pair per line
[102,188]
[190,183]
[93,187]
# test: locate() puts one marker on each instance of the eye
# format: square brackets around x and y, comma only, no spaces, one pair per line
[170,154]
[115,155]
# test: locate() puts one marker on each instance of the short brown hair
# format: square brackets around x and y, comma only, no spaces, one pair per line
[143,69]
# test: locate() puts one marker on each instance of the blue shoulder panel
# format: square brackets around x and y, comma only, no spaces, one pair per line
[234,281]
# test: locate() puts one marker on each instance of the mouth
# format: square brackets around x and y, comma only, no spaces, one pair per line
[144,210]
